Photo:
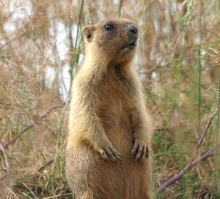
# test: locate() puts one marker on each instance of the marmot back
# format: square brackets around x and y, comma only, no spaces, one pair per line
[109,142]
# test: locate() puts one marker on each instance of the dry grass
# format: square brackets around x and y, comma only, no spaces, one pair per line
[178,59]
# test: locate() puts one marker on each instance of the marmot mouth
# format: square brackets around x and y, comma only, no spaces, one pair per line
[130,45]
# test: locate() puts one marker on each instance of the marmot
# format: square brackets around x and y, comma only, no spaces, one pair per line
[109,142]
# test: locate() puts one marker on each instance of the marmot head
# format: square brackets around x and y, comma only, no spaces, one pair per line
[113,41]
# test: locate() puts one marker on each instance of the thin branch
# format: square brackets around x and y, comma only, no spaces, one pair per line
[189,166]
[45,165]
[150,70]
[120,7]
[7,43]
[207,127]
[33,124]
[191,163]
[30,190]
[6,161]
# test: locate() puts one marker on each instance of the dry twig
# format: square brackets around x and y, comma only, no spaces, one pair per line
[6,161]
[192,162]
[34,123]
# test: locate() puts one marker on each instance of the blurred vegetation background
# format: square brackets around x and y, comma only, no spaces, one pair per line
[178,59]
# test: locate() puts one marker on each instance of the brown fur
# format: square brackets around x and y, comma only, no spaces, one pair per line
[108,120]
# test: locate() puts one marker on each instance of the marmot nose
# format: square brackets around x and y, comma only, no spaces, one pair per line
[133,29]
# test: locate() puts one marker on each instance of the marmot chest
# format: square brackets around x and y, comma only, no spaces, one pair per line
[115,102]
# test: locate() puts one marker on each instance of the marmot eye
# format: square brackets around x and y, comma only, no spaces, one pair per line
[109,27]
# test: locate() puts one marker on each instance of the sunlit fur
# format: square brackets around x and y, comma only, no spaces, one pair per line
[107,108]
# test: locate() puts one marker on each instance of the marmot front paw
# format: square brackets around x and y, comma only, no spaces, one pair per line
[140,149]
[110,153]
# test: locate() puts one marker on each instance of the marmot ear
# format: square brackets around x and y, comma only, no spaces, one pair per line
[88,32]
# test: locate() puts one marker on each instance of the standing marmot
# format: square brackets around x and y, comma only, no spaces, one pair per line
[109,127]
